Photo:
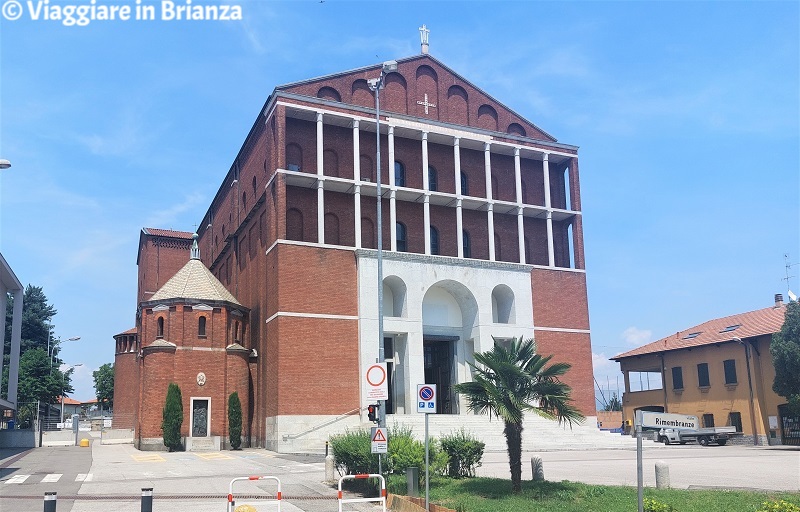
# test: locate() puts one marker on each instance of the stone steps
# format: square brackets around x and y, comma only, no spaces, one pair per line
[539,434]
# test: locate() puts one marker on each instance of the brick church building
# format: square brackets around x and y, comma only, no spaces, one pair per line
[276,295]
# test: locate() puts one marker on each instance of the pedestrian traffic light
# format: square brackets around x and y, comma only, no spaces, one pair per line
[373,412]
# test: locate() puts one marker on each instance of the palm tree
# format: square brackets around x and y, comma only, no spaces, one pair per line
[512,380]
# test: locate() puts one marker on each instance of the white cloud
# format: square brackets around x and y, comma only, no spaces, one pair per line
[167,217]
[635,336]
[601,363]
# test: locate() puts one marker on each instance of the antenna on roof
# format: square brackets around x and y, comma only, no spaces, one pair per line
[423,38]
[788,266]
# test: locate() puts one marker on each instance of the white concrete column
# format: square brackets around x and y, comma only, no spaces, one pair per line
[425,183]
[320,184]
[521,234]
[320,149]
[16,335]
[517,176]
[490,221]
[459,229]
[426,206]
[459,218]
[487,166]
[392,193]
[457,163]
[551,254]
[357,180]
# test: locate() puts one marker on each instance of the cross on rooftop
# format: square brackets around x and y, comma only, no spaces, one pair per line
[426,104]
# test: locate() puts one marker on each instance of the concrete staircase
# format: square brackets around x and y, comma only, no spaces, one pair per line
[539,434]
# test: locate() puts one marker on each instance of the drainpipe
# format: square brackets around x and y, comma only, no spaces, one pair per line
[664,381]
[750,387]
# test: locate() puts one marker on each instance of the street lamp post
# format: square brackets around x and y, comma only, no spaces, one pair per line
[376,84]
[64,385]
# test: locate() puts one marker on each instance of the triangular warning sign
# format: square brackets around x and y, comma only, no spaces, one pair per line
[379,437]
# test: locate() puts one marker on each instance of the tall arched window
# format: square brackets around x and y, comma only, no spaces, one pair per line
[466,244]
[402,244]
[294,224]
[399,174]
[464,184]
[160,328]
[201,326]
[434,240]
[236,332]
[433,179]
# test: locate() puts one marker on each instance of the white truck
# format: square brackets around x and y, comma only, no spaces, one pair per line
[703,436]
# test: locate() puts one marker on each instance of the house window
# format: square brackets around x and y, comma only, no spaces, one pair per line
[730,371]
[433,180]
[735,420]
[467,245]
[399,174]
[702,375]
[708,420]
[236,332]
[677,377]
[401,237]
[160,328]
[464,184]
[201,326]
[434,240]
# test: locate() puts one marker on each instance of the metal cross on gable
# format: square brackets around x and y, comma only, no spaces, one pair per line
[426,104]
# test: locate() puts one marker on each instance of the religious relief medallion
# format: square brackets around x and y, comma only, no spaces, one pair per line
[201,379]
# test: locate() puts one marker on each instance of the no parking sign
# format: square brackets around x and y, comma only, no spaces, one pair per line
[426,398]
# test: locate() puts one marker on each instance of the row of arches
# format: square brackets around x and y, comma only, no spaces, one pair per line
[456,100]
[445,305]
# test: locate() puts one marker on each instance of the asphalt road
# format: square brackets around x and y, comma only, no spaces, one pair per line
[112,477]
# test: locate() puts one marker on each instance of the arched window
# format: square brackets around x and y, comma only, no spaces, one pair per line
[294,225]
[467,244]
[160,328]
[402,245]
[201,326]
[464,184]
[399,174]
[254,180]
[433,179]
[244,200]
[294,157]
[434,240]
[236,332]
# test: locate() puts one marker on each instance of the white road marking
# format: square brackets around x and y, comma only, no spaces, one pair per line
[52,477]
[83,477]
[18,479]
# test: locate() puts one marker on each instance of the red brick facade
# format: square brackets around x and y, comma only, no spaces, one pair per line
[261,238]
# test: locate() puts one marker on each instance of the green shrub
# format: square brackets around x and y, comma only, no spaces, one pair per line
[464,453]
[172,418]
[778,506]
[651,505]
[404,451]
[235,421]
[352,452]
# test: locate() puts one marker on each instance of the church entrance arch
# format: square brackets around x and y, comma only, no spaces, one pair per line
[449,314]
[200,417]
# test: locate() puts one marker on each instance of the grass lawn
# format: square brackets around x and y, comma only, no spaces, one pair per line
[494,495]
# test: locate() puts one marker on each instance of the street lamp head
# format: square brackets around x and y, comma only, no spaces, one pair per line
[389,66]
[74,338]
[738,340]
[4,164]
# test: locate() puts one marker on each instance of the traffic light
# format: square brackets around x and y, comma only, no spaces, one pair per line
[373,413]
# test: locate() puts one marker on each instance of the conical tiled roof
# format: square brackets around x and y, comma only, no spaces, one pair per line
[194,281]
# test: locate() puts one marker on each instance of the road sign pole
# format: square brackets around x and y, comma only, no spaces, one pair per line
[639,468]
[427,487]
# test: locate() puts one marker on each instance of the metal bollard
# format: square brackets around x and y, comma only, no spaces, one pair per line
[412,480]
[50,501]
[537,469]
[147,499]
[662,475]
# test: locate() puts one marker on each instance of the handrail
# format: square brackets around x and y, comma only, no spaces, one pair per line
[287,437]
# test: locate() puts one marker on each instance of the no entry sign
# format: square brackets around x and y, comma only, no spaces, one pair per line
[377,382]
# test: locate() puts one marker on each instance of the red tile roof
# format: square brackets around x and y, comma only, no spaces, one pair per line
[69,401]
[167,232]
[132,330]
[753,323]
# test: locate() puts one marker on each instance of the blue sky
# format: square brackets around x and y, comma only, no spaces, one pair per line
[686,114]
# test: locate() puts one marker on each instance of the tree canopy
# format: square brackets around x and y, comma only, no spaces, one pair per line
[785,349]
[104,385]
